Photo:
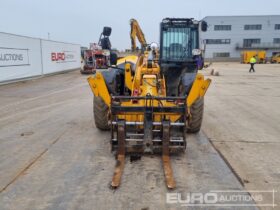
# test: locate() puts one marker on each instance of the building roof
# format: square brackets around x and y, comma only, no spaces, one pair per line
[241,16]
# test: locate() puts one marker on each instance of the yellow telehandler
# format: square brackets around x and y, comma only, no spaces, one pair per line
[149,102]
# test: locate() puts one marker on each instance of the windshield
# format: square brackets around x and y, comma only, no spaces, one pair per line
[178,43]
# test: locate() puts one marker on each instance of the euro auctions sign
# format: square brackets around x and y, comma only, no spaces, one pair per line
[58,56]
[63,57]
[13,57]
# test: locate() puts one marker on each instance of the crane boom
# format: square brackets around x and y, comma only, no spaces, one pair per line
[136,31]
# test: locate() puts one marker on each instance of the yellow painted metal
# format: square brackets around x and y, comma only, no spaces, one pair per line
[99,88]
[130,58]
[198,89]
[142,69]
[128,76]
[261,57]
[147,81]
[136,31]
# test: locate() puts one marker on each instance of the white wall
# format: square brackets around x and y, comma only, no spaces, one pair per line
[59,56]
[20,57]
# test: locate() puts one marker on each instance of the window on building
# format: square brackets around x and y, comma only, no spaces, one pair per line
[253,27]
[221,55]
[217,41]
[277,26]
[222,27]
[276,40]
[249,42]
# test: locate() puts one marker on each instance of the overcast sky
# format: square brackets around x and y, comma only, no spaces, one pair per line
[81,21]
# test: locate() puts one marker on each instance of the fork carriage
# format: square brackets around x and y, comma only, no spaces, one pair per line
[145,127]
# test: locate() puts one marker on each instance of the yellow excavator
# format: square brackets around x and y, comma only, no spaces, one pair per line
[136,32]
[149,102]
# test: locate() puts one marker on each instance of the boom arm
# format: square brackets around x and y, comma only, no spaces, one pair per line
[136,32]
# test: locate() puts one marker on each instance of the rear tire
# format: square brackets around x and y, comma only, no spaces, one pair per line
[195,122]
[100,111]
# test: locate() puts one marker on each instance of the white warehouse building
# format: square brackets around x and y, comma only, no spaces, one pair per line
[228,36]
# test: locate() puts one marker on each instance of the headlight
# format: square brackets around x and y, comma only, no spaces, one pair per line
[154,46]
[196,52]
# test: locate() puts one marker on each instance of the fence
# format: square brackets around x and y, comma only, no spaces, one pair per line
[22,57]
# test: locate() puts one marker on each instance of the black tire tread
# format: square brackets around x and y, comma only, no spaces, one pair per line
[100,111]
[195,122]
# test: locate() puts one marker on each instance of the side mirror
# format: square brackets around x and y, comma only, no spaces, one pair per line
[107,31]
[204,26]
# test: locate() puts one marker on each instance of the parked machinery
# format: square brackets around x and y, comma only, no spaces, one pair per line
[150,101]
[100,55]
[247,55]
[136,32]
[275,58]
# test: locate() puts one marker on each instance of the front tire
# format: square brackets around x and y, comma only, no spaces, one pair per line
[100,111]
[194,124]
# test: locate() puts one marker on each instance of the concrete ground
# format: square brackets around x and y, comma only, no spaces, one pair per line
[53,157]
[242,120]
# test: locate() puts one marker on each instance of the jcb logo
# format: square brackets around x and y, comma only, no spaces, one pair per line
[58,56]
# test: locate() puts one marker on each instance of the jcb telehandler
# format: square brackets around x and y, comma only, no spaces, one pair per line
[150,101]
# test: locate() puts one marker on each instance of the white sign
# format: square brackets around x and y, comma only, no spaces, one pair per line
[59,56]
[23,57]
[64,56]
[13,57]
[20,57]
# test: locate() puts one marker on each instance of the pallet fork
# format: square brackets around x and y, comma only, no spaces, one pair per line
[157,135]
